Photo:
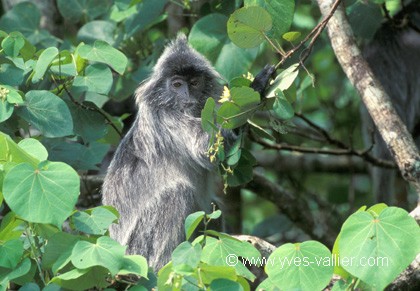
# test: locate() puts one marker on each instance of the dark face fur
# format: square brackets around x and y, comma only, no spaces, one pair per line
[184,78]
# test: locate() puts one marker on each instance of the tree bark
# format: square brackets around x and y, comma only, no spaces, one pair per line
[392,129]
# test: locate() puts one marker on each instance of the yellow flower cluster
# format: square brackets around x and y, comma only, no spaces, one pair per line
[3,92]
[225,96]
[214,149]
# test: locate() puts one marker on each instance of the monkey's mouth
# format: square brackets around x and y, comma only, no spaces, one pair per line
[192,108]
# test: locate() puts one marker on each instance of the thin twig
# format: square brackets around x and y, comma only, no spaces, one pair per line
[313,35]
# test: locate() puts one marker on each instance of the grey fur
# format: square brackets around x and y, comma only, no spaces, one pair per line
[160,173]
[394,56]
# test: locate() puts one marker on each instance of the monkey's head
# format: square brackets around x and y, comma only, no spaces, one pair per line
[182,80]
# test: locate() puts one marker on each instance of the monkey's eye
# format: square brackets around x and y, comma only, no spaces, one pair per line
[177,84]
[194,83]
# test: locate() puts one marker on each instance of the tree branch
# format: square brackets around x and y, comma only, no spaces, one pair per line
[378,103]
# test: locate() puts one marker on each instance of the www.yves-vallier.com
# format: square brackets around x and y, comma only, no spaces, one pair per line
[285,262]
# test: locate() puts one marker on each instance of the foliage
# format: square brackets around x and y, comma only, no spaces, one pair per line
[52,124]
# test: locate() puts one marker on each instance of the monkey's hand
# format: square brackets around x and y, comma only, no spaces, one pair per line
[262,80]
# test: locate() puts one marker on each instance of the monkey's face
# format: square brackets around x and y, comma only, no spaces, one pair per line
[188,92]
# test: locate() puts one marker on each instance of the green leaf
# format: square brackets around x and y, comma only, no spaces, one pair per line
[239,82]
[245,97]
[247,26]
[76,10]
[11,152]
[225,251]
[281,12]
[30,287]
[13,97]
[58,251]
[97,30]
[134,264]
[291,36]
[10,227]
[224,285]
[11,75]
[259,131]
[105,252]
[46,194]
[13,44]
[186,257]
[235,152]
[86,279]
[44,61]
[284,80]
[192,221]
[282,108]
[214,215]
[207,116]
[148,12]
[300,266]
[48,113]
[209,273]
[78,156]
[94,221]
[89,124]
[97,78]
[209,37]
[386,245]
[64,65]
[11,253]
[6,109]
[34,148]
[21,269]
[231,116]
[104,53]
[377,208]
[243,172]
[18,19]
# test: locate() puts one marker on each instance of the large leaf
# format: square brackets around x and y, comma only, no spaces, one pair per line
[97,78]
[104,53]
[11,152]
[97,30]
[248,26]
[58,251]
[13,43]
[386,244]
[147,12]
[6,109]
[186,257]
[245,97]
[134,264]
[226,251]
[300,266]
[75,10]
[44,61]
[105,252]
[93,221]
[209,37]
[48,113]
[34,148]
[11,253]
[11,75]
[24,17]
[192,221]
[81,157]
[83,279]
[281,12]
[45,194]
